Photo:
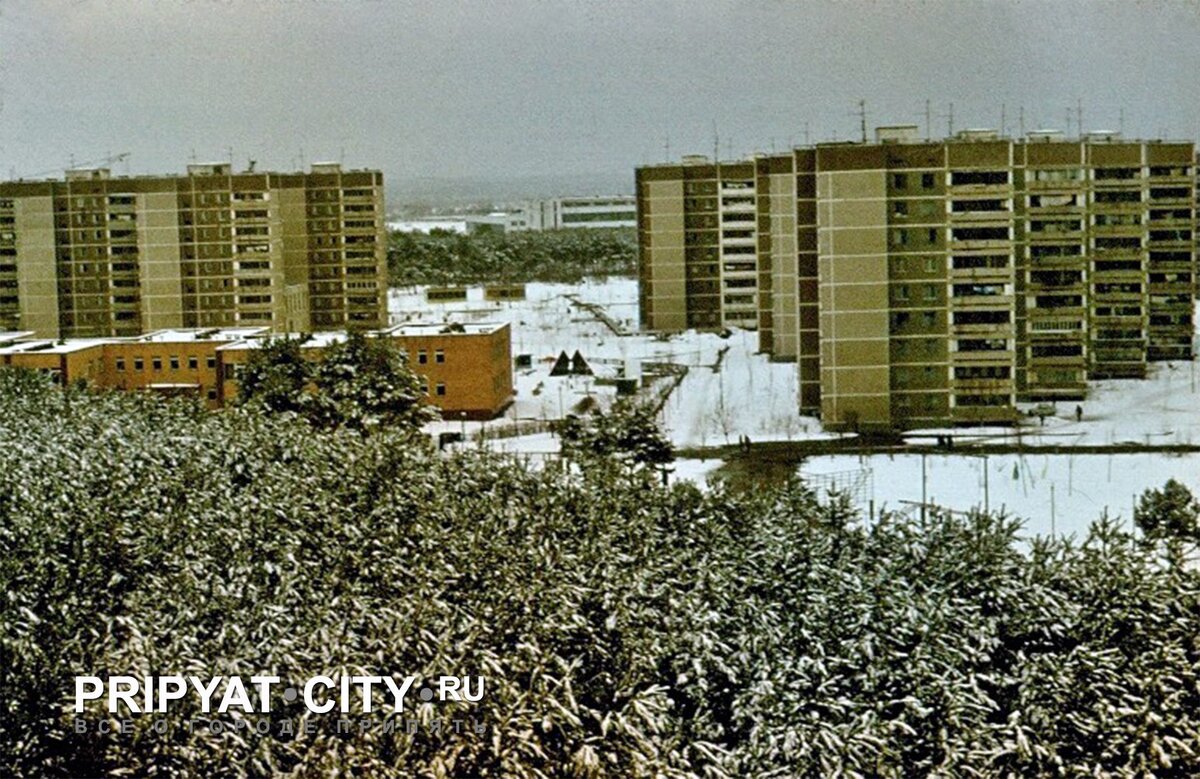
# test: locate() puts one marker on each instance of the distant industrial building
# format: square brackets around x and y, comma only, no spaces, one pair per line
[931,282]
[97,255]
[574,213]
[466,369]
[564,213]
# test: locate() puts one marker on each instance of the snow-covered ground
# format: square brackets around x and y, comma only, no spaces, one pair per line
[1063,494]
[729,391]
[1162,409]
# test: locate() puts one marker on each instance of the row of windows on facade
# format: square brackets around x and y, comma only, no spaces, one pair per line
[993,177]
[193,362]
[438,388]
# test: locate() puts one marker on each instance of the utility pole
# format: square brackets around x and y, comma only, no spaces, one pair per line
[923,486]
[986,502]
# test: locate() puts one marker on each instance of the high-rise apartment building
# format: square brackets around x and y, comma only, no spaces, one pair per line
[98,255]
[923,283]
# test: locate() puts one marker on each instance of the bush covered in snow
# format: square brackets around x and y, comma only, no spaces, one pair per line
[623,628]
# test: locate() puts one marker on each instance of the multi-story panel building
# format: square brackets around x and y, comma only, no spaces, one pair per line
[96,255]
[923,283]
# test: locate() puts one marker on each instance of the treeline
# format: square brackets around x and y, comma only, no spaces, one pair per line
[623,628]
[553,256]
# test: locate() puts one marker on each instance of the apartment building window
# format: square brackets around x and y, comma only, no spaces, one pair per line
[900,237]
[441,388]
[174,363]
[193,363]
[900,180]
[121,363]
[930,264]
[439,355]
[926,181]
[211,362]
[933,235]
[156,363]
[928,318]
[902,292]
[212,394]
[422,358]
[139,364]
[901,209]
[930,292]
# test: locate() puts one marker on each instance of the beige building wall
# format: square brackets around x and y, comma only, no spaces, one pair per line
[159,260]
[785,309]
[290,245]
[853,288]
[664,240]
[37,275]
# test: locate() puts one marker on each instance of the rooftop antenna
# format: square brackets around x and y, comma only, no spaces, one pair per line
[928,121]
[1121,126]
[1021,114]
[1068,122]
[342,155]
[1079,116]
[950,121]
[301,158]
[1003,120]
[729,148]
[193,157]
[716,142]
[862,119]
[806,141]
[250,165]
[667,148]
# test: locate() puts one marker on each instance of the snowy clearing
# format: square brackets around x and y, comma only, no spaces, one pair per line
[1062,494]
[729,390]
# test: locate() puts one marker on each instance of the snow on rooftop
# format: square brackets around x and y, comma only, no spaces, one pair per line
[50,346]
[307,341]
[188,335]
[443,328]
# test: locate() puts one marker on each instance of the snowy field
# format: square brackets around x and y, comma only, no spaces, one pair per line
[729,391]
[1060,494]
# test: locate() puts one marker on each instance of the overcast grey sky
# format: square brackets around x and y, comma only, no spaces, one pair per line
[529,87]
